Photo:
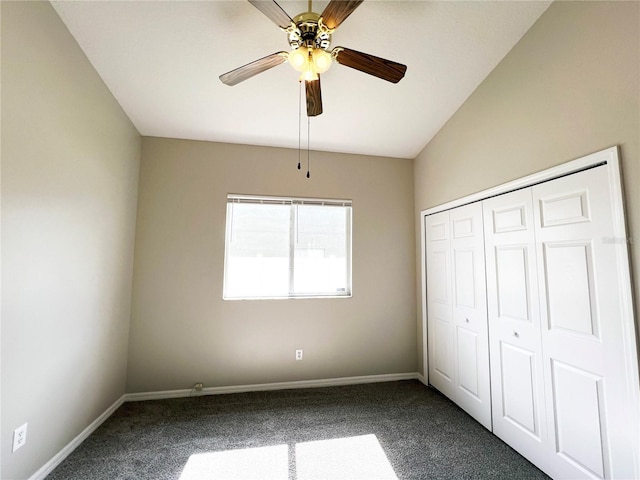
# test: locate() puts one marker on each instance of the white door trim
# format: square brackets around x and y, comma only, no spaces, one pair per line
[610,158]
[423,269]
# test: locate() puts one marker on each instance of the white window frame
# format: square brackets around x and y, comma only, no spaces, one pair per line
[272,200]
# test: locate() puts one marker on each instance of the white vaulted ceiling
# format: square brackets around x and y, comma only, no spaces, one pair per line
[161,60]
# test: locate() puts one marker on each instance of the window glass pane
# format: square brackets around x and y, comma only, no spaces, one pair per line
[321,247]
[258,244]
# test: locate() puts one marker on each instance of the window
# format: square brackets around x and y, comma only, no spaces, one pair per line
[287,247]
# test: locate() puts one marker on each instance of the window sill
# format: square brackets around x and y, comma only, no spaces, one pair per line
[296,297]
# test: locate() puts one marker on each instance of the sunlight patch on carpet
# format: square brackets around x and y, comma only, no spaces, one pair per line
[267,463]
[353,458]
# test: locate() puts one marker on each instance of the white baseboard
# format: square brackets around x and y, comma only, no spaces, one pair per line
[134,397]
[329,382]
[48,467]
[422,379]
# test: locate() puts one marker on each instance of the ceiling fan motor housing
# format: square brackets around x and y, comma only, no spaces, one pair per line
[308,30]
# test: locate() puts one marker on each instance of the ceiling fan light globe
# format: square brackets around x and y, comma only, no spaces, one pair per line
[309,74]
[321,60]
[299,58]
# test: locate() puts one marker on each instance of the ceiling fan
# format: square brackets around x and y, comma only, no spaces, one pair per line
[309,36]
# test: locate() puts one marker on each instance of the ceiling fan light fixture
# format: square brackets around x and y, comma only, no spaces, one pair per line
[321,60]
[299,58]
[309,36]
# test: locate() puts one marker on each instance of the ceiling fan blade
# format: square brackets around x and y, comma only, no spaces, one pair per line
[240,74]
[376,66]
[337,12]
[314,97]
[273,11]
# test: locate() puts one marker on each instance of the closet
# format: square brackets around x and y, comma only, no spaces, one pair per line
[529,320]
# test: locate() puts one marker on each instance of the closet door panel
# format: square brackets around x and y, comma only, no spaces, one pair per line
[465,278]
[467,349]
[443,354]
[517,383]
[518,386]
[440,303]
[473,386]
[568,268]
[512,282]
[577,396]
[582,331]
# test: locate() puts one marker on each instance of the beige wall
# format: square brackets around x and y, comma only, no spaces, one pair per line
[70,160]
[182,331]
[570,87]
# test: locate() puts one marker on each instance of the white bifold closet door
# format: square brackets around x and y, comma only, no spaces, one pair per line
[515,339]
[587,400]
[559,383]
[458,332]
[440,304]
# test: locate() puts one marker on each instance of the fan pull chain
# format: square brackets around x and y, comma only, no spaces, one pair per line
[308,154]
[299,120]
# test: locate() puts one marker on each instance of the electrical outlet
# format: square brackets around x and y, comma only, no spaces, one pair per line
[198,387]
[19,437]
[298,354]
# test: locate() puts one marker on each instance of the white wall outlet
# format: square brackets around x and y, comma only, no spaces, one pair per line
[19,437]
[298,354]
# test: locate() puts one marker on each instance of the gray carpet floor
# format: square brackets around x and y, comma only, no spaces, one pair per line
[421,432]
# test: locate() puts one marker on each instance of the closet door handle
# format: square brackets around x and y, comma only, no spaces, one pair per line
[516,334]
[466,320]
